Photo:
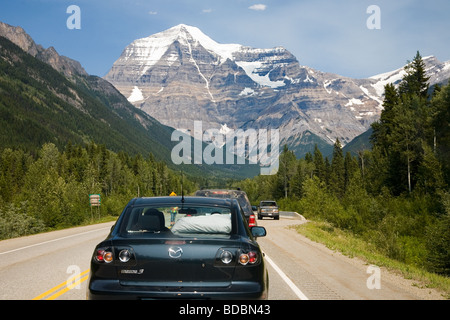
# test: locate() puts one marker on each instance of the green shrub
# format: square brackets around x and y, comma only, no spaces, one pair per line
[438,245]
[15,221]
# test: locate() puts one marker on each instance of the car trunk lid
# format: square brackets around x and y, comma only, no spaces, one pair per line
[188,262]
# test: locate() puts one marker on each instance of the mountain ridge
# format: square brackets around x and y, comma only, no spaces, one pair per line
[193,78]
[65,65]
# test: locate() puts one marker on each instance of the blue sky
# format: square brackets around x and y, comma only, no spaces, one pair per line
[327,35]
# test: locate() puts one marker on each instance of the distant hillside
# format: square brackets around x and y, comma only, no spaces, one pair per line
[39,104]
[360,143]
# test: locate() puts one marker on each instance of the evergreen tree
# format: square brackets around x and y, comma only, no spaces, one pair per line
[438,242]
[305,170]
[384,127]
[287,170]
[319,164]
[406,143]
[441,126]
[430,176]
[415,82]
[404,127]
[350,169]
[337,174]
[327,172]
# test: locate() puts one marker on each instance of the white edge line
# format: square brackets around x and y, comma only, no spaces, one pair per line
[288,281]
[49,241]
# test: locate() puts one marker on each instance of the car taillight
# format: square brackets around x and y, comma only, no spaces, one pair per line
[248,258]
[252,221]
[103,255]
[99,256]
[226,257]
[108,257]
[252,257]
[243,259]
[124,256]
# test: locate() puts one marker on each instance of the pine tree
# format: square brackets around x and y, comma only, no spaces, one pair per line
[337,174]
[286,171]
[441,125]
[404,127]
[383,128]
[430,176]
[350,168]
[415,82]
[319,164]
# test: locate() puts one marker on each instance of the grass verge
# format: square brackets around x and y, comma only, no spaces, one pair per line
[352,246]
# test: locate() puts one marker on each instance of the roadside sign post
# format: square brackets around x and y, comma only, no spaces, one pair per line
[95,201]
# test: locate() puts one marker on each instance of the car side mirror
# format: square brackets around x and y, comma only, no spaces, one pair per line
[258,232]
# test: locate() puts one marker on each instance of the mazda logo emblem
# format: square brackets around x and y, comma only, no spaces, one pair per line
[175,252]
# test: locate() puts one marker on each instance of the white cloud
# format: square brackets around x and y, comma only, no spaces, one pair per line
[207,10]
[258,7]
[152,12]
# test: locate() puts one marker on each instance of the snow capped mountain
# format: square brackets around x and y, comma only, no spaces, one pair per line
[437,71]
[181,75]
[148,51]
[176,74]
[145,53]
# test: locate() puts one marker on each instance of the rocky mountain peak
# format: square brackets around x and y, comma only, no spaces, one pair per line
[50,56]
[18,36]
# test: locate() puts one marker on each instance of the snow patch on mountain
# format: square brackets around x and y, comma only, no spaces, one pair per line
[225,51]
[354,101]
[253,68]
[136,95]
[247,92]
[446,66]
[385,78]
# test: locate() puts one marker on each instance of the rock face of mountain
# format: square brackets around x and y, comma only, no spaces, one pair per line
[180,75]
[60,63]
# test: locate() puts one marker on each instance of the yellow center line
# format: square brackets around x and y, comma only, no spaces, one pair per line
[69,284]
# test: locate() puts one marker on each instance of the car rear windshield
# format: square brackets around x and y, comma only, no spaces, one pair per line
[268,204]
[188,221]
[241,196]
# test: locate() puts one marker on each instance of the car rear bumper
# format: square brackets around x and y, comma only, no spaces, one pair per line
[269,215]
[113,290]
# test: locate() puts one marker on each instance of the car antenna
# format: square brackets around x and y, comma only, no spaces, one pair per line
[182,191]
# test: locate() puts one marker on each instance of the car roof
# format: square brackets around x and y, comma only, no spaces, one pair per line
[176,200]
[221,191]
[218,189]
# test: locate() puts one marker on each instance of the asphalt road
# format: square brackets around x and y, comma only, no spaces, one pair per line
[54,266]
[48,265]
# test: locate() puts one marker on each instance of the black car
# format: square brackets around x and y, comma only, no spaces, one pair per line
[179,248]
[241,197]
